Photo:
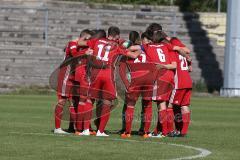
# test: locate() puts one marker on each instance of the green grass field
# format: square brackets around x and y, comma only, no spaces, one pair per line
[26,122]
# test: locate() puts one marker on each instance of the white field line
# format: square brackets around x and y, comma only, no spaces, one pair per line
[202,152]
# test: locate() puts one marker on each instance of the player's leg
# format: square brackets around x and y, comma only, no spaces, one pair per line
[63,90]
[177,119]
[87,116]
[170,120]
[58,115]
[147,116]
[185,119]
[73,114]
[146,91]
[98,113]
[162,116]
[185,110]
[141,129]
[80,116]
[129,113]
[104,118]
[131,98]
[123,129]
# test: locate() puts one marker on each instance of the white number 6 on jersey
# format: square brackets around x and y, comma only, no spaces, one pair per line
[161,56]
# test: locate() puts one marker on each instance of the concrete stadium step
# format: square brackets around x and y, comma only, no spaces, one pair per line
[22,27]
[30,50]
[78,19]
[21,80]
[83,5]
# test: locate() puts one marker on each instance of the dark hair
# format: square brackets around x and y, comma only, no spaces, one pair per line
[134,37]
[158,37]
[154,27]
[113,31]
[100,34]
[145,35]
[86,31]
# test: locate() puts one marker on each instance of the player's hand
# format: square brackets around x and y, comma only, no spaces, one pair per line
[89,52]
[189,59]
[160,66]
[190,69]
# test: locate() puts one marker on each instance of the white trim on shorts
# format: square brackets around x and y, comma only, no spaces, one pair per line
[66,76]
[172,95]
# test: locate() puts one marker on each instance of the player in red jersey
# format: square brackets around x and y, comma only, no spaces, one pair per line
[85,105]
[181,94]
[140,83]
[66,79]
[102,80]
[151,29]
[161,54]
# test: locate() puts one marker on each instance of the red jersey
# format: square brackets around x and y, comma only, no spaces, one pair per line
[73,50]
[161,54]
[182,77]
[105,50]
[134,69]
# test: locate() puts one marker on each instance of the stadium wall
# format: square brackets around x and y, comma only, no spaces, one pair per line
[26,60]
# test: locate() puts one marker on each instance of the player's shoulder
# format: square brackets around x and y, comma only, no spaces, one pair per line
[72,44]
[155,45]
[102,40]
[167,45]
[176,41]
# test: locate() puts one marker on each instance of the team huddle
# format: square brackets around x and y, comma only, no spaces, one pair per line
[151,65]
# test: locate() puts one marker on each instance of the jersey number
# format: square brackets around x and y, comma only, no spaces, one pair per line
[161,55]
[100,50]
[184,65]
[143,59]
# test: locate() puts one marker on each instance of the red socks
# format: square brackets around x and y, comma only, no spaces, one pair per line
[162,115]
[147,118]
[87,115]
[170,120]
[105,115]
[58,116]
[129,118]
[80,113]
[186,120]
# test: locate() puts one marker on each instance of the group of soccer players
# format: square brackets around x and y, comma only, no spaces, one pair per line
[150,64]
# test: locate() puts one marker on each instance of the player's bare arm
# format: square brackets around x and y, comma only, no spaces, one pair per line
[133,54]
[171,66]
[82,42]
[135,48]
[182,52]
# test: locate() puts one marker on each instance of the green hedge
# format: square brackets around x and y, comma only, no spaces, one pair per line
[185,5]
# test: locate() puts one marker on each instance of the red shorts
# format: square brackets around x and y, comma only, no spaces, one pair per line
[83,82]
[181,97]
[134,92]
[65,82]
[163,87]
[102,84]
[140,86]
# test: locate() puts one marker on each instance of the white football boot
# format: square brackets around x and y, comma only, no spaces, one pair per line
[59,131]
[99,134]
[86,132]
[157,136]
